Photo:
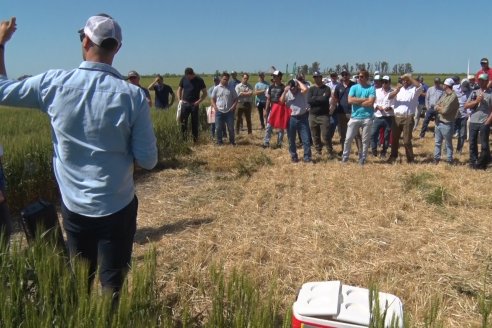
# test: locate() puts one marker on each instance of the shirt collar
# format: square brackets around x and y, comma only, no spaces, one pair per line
[96,66]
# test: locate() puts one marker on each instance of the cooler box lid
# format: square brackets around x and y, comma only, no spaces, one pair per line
[331,300]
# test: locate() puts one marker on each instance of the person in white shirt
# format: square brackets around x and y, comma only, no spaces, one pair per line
[383,116]
[406,97]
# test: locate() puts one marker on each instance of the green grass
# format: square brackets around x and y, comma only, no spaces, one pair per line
[40,289]
[28,159]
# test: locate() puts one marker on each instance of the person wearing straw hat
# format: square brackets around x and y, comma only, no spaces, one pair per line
[94,158]
[480,104]
[406,97]
[446,109]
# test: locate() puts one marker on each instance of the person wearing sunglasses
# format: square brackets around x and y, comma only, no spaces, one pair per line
[361,96]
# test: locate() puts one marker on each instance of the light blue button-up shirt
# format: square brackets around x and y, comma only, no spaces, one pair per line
[100,126]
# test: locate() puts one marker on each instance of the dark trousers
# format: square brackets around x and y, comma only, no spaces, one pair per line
[321,127]
[105,240]
[477,129]
[261,107]
[188,110]
[429,114]
[384,122]
[244,109]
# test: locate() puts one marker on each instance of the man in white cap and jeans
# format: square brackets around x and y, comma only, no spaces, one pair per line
[446,109]
[93,158]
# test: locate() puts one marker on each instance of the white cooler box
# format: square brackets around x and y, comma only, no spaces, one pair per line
[330,304]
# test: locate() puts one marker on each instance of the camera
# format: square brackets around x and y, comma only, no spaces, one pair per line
[473,96]
[292,83]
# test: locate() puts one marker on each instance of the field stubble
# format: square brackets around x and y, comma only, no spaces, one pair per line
[284,224]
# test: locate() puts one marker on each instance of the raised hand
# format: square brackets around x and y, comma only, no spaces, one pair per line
[7,29]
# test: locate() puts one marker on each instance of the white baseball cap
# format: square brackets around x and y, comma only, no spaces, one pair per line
[102,27]
[449,82]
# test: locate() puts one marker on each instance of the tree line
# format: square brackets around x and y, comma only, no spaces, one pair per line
[382,66]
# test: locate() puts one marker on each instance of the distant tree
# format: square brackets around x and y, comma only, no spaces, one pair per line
[314,67]
[351,68]
[408,68]
[384,67]
[345,67]
[395,69]
[368,67]
[304,69]
[217,73]
[377,66]
[338,68]
[401,69]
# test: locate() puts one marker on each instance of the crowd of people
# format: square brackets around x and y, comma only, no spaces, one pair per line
[378,114]
[101,128]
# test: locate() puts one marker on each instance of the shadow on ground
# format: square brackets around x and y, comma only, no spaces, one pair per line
[146,235]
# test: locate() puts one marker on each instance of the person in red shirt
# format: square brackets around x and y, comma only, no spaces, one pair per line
[484,62]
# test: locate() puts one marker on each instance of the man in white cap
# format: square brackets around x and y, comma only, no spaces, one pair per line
[383,117]
[93,158]
[480,104]
[446,109]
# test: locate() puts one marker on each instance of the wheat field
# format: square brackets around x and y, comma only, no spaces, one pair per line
[419,231]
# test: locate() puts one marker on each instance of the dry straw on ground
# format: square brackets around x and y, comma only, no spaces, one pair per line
[286,224]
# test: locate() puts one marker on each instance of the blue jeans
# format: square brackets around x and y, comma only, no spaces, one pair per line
[484,131]
[460,128]
[430,113]
[188,110]
[299,123]
[379,123]
[444,131]
[268,134]
[105,240]
[222,120]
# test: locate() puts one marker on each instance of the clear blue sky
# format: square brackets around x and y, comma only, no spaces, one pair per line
[167,36]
